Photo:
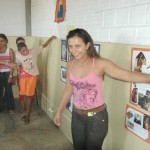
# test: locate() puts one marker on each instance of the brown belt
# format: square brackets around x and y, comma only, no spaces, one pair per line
[90,112]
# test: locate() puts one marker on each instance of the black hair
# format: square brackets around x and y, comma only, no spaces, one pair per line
[21,45]
[20,38]
[85,36]
[3,36]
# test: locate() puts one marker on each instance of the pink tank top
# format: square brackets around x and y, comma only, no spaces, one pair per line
[87,91]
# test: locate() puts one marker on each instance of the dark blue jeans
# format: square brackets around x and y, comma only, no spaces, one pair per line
[88,133]
[6,95]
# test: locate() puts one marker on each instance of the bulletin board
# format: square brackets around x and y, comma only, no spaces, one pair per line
[140,92]
[138,123]
[137,117]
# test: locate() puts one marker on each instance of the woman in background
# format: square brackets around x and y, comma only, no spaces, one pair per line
[6,74]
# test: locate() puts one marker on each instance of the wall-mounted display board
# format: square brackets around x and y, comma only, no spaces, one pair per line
[140,92]
[138,123]
[140,60]
[64,51]
[97,47]
[140,95]
[63,74]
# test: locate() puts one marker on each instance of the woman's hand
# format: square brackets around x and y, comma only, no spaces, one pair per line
[13,65]
[57,119]
[10,78]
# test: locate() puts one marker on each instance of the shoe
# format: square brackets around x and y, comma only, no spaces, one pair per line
[23,118]
[11,112]
[26,121]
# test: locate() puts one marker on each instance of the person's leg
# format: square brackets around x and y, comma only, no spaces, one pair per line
[21,97]
[28,108]
[78,131]
[22,86]
[30,90]
[9,97]
[22,102]
[2,104]
[97,130]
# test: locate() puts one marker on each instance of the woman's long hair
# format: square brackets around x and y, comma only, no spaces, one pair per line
[84,35]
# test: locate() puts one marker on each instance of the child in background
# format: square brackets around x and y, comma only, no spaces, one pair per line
[21,97]
[28,73]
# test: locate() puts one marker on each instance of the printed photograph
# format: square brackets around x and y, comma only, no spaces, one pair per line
[141,60]
[64,50]
[140,95]
[138,123]
[97,47]
[63,74]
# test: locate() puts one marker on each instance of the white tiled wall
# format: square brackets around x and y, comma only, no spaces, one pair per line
[12,17]
[117,21]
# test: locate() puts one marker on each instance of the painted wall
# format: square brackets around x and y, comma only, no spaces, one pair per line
[116,21]
[12,17]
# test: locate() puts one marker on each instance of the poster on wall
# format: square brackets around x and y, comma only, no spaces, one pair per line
[140,92]
[63,74]
[97,47]
[138,123]
[140,95]
[64,50]
[60,11]
[140,60]
[69,105]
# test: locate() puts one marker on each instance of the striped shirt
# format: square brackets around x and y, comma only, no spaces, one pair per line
[5,57]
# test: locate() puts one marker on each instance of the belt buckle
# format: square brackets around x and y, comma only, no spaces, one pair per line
[90,114]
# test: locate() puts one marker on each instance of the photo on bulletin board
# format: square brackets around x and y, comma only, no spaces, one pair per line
[69,105]
[140,95]
[140,60]
[97,47]
[138,123]
[64,50]
[63,74]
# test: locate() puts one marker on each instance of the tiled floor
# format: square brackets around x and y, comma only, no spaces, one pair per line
[40,134]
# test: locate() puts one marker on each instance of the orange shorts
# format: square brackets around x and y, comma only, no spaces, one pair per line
[27,86]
